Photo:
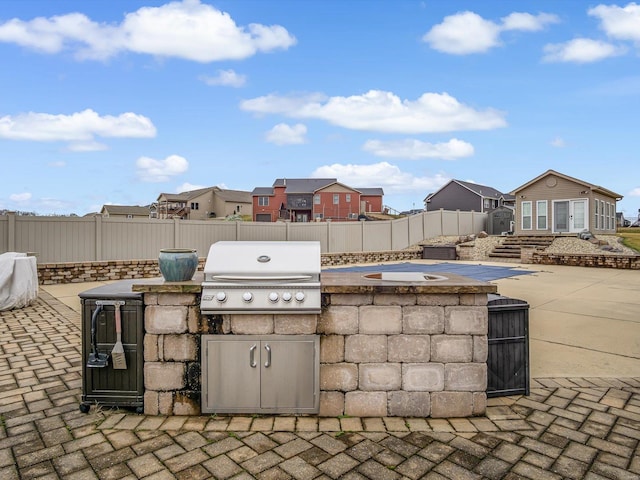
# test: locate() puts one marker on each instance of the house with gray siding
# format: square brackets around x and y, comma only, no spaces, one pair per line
[466,196]
[554,203]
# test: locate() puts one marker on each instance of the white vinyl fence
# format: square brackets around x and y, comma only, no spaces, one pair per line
[87,239]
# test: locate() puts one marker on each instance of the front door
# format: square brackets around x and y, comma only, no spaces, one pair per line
[570,216]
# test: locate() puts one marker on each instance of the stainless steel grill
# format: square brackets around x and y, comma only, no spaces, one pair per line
[262,277]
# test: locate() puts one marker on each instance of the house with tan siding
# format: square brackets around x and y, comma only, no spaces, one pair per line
[124,211]
[202,204]
[554,203]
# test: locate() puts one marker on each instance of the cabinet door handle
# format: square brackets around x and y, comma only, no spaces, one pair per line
[267,364]
[252,353]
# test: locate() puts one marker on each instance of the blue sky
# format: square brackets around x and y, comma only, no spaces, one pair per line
[116,102]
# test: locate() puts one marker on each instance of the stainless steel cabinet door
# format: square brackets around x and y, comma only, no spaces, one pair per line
[232,375]
[288,374]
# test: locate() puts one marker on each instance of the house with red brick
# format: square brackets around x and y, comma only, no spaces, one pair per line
[313,199]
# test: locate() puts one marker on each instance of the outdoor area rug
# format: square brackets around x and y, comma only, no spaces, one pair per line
[485,273]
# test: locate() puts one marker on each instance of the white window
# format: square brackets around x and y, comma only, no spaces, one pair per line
[316,199]
[263,201]
[597,218]
[195,206]
[336,199]
[348,198]
[610,222]
[602,215]
[526,215]
[541,212]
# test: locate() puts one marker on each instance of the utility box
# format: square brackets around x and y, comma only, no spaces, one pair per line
[508,358]
[439,252]
[102,383]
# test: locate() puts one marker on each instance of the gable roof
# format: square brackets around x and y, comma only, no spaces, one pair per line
[372,191]
[136,210]
[184,196]
[238,196]
[303,185]
[262,191]
[480,190]
[308,186]
[591,186]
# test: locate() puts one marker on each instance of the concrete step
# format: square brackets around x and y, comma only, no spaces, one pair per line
[504,255]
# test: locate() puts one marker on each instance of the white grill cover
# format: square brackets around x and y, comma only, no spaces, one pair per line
[18,280]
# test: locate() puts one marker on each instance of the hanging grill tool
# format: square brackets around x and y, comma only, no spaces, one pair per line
[101,360]
[117,354]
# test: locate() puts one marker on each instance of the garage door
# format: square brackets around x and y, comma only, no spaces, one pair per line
[263,217]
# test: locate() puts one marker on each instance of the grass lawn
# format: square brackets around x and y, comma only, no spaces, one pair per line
[630,237]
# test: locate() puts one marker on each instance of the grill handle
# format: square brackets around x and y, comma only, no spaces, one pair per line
[267,364]
[261,278]
[252,353]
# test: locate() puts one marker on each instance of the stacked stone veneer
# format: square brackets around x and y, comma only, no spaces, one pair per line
[77,272]
[380,354]
[631,262]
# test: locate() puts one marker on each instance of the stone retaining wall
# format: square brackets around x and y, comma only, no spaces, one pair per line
[55,273]
[586,260]
[410,355]
[77,272]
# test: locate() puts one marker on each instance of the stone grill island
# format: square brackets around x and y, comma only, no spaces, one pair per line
[406,345]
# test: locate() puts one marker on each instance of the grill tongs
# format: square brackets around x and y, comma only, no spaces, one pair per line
[101,360]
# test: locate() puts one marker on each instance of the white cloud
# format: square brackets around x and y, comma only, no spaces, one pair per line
[283,134]
[621,23]
[558,142]
[581,50]
[188,29]
[225,78]
[416,149]
[87,147]
[463,33]
[526,22]
[467,32]
[188,187]
[382,112]
[635,192]
[20,197]
[382,174]
[78,128]
[151,170]
[53,205]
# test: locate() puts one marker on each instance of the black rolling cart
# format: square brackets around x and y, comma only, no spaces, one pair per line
[105,381]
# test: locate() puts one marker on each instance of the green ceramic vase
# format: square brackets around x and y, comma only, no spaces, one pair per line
[178,264]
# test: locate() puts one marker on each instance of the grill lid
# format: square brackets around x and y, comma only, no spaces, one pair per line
[263,261]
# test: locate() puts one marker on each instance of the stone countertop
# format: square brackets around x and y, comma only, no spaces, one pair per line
[160,285]
[357,282]
[342,282]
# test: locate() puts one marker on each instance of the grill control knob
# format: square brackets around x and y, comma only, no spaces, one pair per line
[300,296]
[221,296]
[247,296]
[286,296]
[273,297]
